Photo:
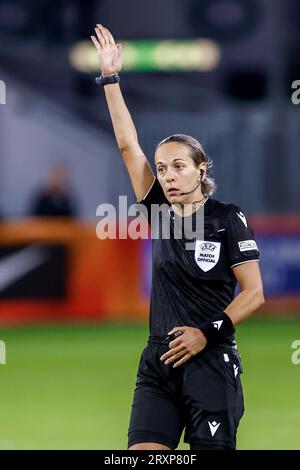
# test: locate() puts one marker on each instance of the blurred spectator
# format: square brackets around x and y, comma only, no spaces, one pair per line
[55,199]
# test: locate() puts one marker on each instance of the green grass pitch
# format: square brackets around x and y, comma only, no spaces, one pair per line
[70,387]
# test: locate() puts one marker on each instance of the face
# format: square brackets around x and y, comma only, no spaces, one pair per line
[177,173]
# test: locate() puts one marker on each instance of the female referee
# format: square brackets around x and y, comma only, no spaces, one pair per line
[189,373]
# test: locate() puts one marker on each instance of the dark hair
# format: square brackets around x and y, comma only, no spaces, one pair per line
[197,154]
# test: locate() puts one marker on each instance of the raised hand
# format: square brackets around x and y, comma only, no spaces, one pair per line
[109,53]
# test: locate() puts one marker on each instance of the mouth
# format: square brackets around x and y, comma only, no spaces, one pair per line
[172,191]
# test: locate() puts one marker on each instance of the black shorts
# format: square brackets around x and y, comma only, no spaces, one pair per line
[204,395]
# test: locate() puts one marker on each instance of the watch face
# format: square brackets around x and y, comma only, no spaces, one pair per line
[107,80]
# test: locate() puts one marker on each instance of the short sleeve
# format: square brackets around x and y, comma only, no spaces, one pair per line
[151,202]
[240,241]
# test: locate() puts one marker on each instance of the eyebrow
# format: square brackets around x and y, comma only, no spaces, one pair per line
[174,160]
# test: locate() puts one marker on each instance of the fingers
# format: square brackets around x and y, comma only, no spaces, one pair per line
[103,31]
[182,360]
[172,331]
[96,43]
[172,353]
[104,37]
[110,37]
[175,343]
[177,328]
[175,358]
[100,37]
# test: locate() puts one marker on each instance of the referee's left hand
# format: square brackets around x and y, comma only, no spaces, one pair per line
[191,342]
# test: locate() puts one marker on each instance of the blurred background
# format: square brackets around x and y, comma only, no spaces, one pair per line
[74,308]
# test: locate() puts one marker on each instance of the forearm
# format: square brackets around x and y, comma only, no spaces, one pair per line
[123,125]
[244,304]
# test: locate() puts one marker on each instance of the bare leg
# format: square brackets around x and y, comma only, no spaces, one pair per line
[148,446]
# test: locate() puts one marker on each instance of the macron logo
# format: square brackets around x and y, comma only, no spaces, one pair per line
[243,218]
[217,324]
[213,427]
[236,370]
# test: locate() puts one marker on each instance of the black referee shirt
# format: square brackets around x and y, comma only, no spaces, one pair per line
[190,286]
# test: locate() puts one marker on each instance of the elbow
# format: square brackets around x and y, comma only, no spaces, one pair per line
[259,297]
[255,298]
[126,148]
[123,147]
[126,143]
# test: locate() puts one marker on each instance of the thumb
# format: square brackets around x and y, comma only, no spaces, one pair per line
[178,329]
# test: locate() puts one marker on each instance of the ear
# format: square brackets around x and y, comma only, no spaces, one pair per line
[202,172]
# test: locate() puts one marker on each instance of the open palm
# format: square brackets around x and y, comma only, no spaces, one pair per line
[109,53]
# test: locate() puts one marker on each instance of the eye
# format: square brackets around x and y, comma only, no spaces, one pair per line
[160,170]
[178,166]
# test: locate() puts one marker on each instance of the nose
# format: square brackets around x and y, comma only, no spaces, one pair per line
[170,175]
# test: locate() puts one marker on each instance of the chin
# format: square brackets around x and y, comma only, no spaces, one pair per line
[175,199]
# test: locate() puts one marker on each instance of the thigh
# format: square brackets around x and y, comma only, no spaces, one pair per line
[149,446]
[213,398]
[156,414]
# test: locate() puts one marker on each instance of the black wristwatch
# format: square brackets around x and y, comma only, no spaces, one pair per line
[108,80]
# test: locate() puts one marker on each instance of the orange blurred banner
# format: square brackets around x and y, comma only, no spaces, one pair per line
[102,275]
[103,280]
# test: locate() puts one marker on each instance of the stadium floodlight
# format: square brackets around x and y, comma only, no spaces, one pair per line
[153,55]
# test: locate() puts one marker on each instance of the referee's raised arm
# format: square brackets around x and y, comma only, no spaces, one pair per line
[110,59]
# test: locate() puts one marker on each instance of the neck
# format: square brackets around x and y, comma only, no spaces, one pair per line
[188,207]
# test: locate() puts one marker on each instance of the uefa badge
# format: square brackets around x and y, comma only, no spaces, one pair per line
[207,254]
